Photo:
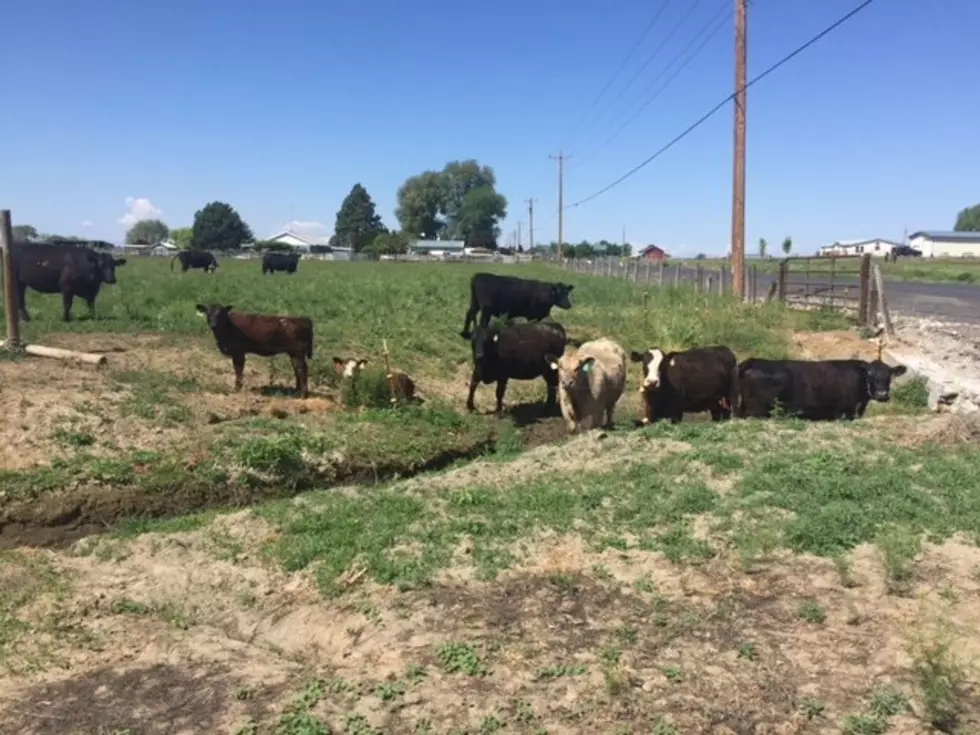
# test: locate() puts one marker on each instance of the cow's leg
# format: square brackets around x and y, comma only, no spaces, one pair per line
[676,416]
[485,317]
[91,308]
[470,316]
[66,301]
[302,375]
[474,382]
[22,301]
[501,389]
[551,401]
[238,361]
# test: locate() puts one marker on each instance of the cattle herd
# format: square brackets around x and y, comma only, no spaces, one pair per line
[584,379]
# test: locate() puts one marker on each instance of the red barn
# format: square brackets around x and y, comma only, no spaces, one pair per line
[652,252]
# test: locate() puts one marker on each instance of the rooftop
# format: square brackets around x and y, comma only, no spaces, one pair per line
[946,235]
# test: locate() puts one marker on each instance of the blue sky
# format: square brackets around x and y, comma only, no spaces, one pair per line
[125,110]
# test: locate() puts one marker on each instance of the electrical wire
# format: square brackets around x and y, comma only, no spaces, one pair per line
[691,8]
[622,65]
[731,11]
[713,110]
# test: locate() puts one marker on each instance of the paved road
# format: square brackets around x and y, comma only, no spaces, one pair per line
[947,301]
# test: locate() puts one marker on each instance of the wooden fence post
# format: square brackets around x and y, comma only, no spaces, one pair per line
[781,281]
[660,276]
[864,299]
[9,290]
[677,275]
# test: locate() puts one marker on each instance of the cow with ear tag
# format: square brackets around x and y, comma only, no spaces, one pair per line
[515,352]
[590,382]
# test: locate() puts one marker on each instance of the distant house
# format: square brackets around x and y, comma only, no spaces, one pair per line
[311,244]
[878,247]
[438,248]
[163,248]
[946,244]
[652,252]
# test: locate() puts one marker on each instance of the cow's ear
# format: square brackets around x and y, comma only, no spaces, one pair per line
[120,261]
[569,287]
[551,361]
[228,308]
[202,309]
[899,370]
[362,362]
[496,338]
[636,356]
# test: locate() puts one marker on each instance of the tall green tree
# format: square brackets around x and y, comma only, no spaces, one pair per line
[763,247]
[460,202]
[219,227]
[24,232]
[182,237]
[358,223]
[787,245]
[420,200]
[968,220]
[390,243]
[147,232]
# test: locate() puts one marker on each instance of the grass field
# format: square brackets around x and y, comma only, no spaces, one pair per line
[773,577]
[926,270]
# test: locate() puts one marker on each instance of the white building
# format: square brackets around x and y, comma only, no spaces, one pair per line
[304,243]
[878,247]
[945,244]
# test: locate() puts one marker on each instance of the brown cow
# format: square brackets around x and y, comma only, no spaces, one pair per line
[240,333]
[401,386]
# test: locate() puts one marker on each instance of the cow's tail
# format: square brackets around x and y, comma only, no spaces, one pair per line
[309,345]
[734,397]
[172,261]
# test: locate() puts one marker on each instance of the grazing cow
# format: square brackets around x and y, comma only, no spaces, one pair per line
[590,382]
[401,386]
[240,333]
[273,261]
[195,259]
[692,381]
[818,390]
[494,295]
[515,352]
[68,269]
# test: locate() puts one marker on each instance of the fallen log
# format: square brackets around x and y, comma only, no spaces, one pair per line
[59,354]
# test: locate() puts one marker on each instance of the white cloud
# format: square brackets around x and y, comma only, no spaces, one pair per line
[87,223]
[309,228]
[139,208]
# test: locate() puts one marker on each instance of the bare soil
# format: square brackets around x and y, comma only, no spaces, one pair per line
[194,633]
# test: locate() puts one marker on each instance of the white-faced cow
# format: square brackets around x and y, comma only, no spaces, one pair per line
[195,259]
[273,261]
[238,333]
[818,390]
[492,295]
[515,352]
[691,381]
[68,269]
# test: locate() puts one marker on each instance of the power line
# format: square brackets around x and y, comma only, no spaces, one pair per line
[629,56]
[690,58]
[693,5]
[713,110]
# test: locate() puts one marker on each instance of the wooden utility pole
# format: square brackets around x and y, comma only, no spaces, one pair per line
[518,234]
[738,179]
[530,222]
[561,158]
[9,289]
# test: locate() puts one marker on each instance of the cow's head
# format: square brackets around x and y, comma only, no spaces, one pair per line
[879,375]
[348,367]
[560,293]
[573,371]
[106,265]
[652,360]
[484,340]
[216,314]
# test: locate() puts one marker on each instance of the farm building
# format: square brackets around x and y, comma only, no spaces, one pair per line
[652,252]
[305,244]
[877,246]
[437,248]
[946,244]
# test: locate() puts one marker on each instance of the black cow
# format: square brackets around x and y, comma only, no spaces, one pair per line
[195,259]
[494,295]
[820,390]
[515,352]
[68,269]
[272,262]
[675,383]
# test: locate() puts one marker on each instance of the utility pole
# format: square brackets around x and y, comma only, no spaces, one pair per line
[518,234]
[530,221]
[561,158]
[738,182]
